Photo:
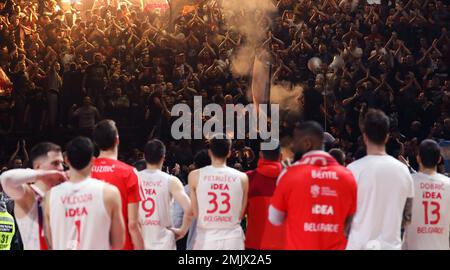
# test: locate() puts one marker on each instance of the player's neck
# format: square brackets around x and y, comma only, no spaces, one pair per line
[154,167]
[428,171]
[111,154]
[376,150]
[78,176]
[218,163]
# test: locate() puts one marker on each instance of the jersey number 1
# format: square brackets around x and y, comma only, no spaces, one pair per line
[78,227]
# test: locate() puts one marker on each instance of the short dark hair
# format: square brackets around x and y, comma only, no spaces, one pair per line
[42,149]
[339,155]
[376,126]
[201,159]
[274,154]
[429,153]
[154,151]
[79,152]
[105,134]
[311,128]
[220,145]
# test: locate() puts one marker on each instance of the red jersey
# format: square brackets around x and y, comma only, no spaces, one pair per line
[260,233]
[317,195]
[125,178]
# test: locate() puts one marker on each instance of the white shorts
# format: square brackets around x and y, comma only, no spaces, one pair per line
[164,240]
[207,241]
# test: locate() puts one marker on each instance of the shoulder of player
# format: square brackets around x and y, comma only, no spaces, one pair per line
[295,168]
[193,176]
[174,181]
[109,190]
[356,164]
[443,178]
[249,173]
[243,176]
[125,169]
[195,172]
[400,165]
[122,165]
[345,172]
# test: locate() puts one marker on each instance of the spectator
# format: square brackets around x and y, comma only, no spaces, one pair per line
[86,117]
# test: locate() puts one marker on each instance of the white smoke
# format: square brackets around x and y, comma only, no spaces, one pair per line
[250,19]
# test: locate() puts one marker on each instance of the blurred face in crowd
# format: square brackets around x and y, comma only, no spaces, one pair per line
[17,163]
[57,67]
[169,86]
[22,67]
[98,59]
[322,48]
[160,78]
[383,66]
[118,92]
[87,101]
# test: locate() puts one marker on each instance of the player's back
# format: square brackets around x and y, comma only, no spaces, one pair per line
[384,184]
[124,177]
[78,217]
[155,211]
[219,196]
[322,195]
[430,224]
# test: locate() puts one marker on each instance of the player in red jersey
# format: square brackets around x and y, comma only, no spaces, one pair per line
[316,196]
[107,168]
[260,233]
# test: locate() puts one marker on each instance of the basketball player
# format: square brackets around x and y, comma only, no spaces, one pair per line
[260,233]
[219,198]
[27,188]
[315,197]
[384,186]
[83,213]
[155,212]
[107,168]
[430,223]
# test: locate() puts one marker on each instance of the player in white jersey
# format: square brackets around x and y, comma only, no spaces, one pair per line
[27,188]
[219,199]
[430,223]
[159,190]
[384,187]
[83,213]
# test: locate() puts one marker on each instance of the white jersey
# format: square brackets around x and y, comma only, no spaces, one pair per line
[155,211]
[384,184]
[29,224]
[219,196]
[78,217]
[29,228]
[430,224]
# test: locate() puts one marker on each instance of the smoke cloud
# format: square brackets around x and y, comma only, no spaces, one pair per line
[251,19]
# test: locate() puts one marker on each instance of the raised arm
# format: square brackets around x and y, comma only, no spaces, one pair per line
[14,182]
[14,155]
